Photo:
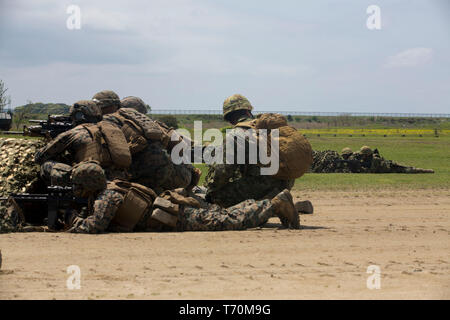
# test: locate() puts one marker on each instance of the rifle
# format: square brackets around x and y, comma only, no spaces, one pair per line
[57,198]
[50,128]
[354,165]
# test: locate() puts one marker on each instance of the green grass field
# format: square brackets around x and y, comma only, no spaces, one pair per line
[423,152]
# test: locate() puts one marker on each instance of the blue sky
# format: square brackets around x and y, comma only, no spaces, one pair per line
[285,55]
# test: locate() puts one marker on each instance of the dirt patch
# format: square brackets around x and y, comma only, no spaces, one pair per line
[406,234]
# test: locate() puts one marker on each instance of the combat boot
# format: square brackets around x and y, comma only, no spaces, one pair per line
[284,208]
[304,207]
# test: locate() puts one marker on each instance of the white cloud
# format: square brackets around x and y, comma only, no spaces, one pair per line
[410,57]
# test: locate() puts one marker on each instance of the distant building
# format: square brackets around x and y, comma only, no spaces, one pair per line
[5,121]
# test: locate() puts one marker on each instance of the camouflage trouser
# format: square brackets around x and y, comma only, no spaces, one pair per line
[387,166]
[56,173]
[154,168]
[247,214]
[9,218]
[248,187]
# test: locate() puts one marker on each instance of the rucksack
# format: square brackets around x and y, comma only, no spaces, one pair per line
[295,152]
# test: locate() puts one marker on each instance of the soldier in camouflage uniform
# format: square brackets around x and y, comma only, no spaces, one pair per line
[152,165]
[53,169]
[372,162]
[229,184]
[329,161]
[56,173]
[89,181]
[66,147]
[134,103]
[10,219]
[346,153]
[107,100]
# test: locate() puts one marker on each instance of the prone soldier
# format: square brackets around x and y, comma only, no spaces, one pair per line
[371,162]
[124,206]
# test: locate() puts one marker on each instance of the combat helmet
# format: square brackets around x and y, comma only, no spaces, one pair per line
[235,102]
[88,176]
[346,152]
[365,150]
[134,103]
[107,100]
[85,111]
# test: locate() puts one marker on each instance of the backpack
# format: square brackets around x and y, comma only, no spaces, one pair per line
[152,130]
[109,146]
[295,152]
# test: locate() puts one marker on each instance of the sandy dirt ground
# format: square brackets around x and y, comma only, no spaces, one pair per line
[406,234]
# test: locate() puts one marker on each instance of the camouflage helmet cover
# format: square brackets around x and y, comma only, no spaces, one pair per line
[134,103]
[89,176]
[106,98]
[235,102]
[346,151]
[365,150]
[85,111]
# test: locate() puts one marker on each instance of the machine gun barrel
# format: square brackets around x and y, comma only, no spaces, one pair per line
[50,128]
[57,198]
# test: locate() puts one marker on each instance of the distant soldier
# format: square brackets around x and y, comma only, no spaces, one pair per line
[123,206]
[328,161]
[91,140]
[346,153]
[107,100]
[372,162]
[229,184]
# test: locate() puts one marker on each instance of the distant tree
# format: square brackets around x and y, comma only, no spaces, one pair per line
[19,118]
[170,120]
[5,100]
[289,118]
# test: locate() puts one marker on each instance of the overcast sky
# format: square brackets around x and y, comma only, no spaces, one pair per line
[313,55]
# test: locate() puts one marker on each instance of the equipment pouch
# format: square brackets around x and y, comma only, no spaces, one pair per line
[135,204]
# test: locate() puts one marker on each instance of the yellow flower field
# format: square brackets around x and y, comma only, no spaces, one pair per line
[376,132]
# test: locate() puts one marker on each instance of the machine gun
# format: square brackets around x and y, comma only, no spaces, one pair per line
[57,199]
[50,128]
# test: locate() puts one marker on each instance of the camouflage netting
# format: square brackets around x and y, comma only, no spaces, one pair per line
[17,168]
[327,161]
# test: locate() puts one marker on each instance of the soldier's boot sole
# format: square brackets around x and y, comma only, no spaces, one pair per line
[304,207]
[286,211]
